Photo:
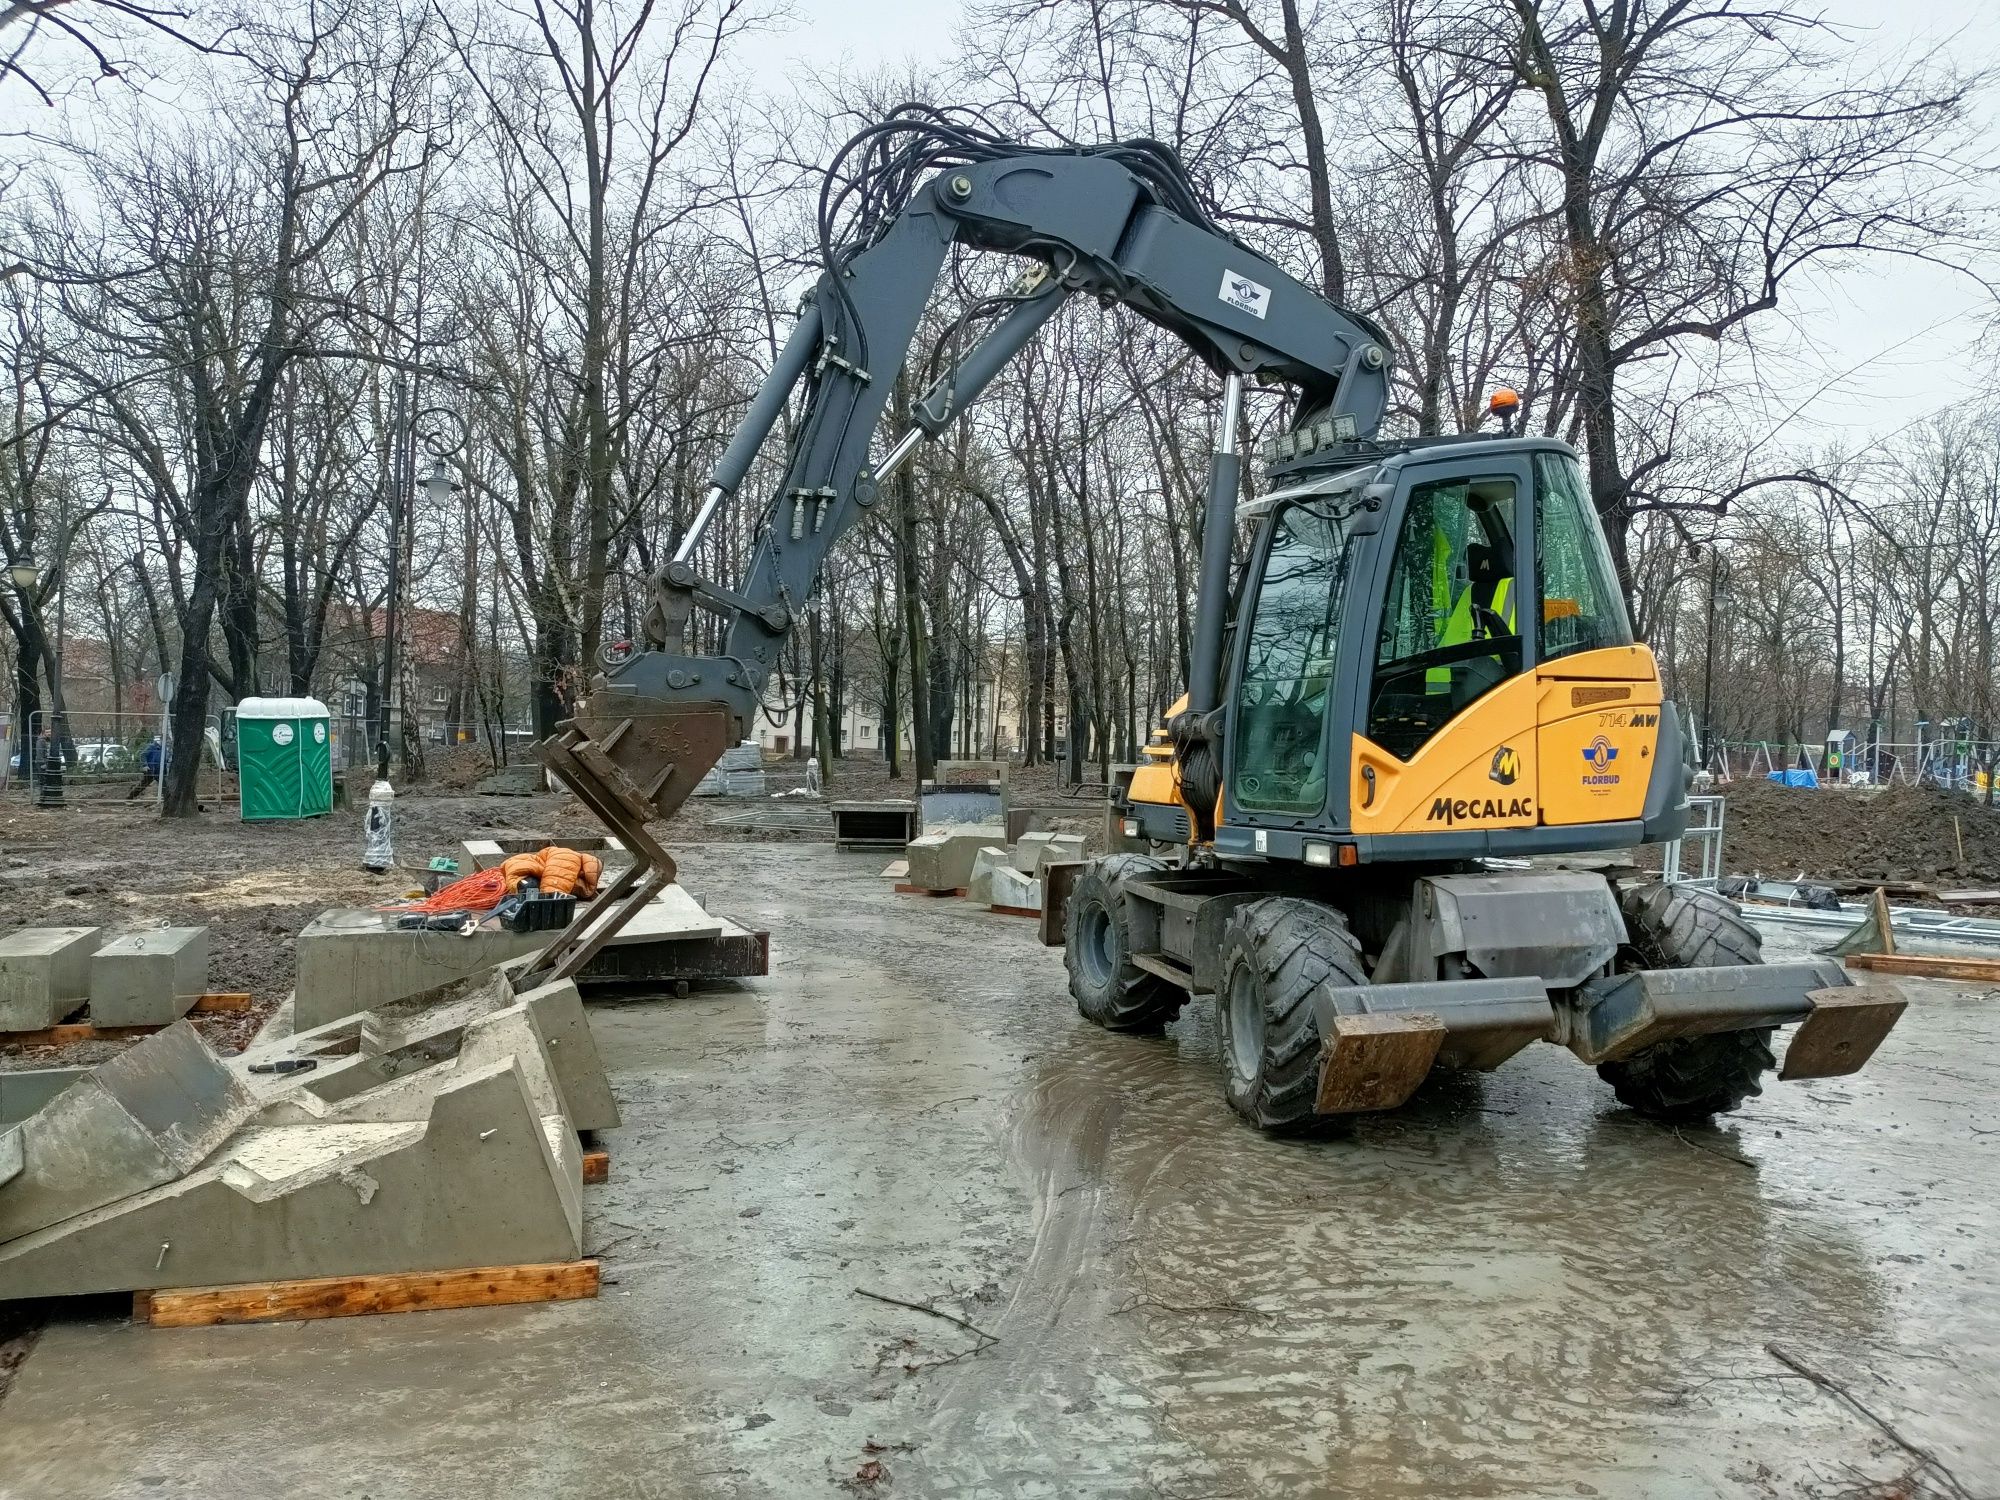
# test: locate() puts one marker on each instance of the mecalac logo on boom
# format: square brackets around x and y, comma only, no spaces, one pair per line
[1506,765]
[1245,295]
[1599,754]
[1460,809]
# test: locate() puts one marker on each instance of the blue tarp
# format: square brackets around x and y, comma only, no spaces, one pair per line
[1793,778]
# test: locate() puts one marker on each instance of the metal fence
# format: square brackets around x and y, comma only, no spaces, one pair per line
[101,756]
[1955,765]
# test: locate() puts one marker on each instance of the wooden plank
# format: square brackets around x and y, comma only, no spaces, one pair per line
[924,890]
[1017,911]
[351,1296]
[1883,926]
[223,1004]
[596,1166]
[74,1032]
[1928,966]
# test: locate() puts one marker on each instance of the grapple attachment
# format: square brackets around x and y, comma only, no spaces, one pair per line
[631,760]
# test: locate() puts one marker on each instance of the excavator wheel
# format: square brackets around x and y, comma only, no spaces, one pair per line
[1109,988]
[1693,1077]
[1275,954]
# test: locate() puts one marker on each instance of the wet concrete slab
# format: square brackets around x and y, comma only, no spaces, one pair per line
[1512,1287]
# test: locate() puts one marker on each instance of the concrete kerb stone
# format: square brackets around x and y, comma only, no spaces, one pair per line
[480,1182]
[351,961]
[44,975]
[979,887]
[146,1117]
[942,860]
[148,978]
[1012,888]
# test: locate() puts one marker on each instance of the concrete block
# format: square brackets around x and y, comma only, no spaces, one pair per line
[1061,848]
[148,978]
[146,1117]
[942,860]
[44,975]
[481,1180]
[1012,888]
[479,854]
[351,961]
[1029,850]
[979,886]
[24,1092]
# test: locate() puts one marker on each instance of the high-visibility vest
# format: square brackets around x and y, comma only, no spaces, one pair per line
[1459,627]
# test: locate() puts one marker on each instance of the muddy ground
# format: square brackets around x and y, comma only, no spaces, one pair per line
[105,862]
[1510,1288]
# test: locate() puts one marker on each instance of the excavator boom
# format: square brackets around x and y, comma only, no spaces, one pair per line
[1122,223]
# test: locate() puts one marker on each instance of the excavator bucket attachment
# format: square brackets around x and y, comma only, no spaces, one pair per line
[631,761]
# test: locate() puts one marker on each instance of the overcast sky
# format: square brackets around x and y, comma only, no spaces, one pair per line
[1875,349]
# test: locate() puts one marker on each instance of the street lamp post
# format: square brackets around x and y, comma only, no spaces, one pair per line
[24,574]
[437,487]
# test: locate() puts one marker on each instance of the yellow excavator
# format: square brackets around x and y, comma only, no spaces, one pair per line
[1421,686]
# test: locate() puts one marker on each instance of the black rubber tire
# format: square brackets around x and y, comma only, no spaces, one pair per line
[1108,987]
[1275,954]
[1694,1077]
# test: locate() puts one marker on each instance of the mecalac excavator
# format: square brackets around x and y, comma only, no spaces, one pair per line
[1422,679]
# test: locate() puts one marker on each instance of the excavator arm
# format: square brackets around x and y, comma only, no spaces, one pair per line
[1121,223]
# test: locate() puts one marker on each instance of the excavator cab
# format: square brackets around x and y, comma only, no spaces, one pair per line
[1430,659]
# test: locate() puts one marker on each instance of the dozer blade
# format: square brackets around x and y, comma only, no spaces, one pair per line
[631,761]
[1847,1024]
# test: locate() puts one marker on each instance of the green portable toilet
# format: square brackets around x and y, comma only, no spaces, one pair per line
[284,758]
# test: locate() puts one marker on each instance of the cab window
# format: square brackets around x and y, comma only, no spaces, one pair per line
[1449,631]
[1289,662]
[1582,606]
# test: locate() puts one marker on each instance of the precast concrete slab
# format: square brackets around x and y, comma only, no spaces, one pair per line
[351,961]
[44,975]
[1011,888]
[149,1115]
[482,1179]
[24,1092]
[148,978]
[942,860]
[979,885]
[358,1053]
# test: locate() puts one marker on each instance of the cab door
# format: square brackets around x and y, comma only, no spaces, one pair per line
[1444,721]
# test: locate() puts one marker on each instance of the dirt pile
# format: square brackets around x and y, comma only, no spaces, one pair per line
[1897,833]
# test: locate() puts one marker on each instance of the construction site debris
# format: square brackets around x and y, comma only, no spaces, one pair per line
[740,773]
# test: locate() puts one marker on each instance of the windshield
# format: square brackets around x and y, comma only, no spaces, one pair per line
[1290,658]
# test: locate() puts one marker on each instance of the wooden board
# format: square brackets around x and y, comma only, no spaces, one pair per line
[1928,966]
[211,1005]
[351,1296]
[74,1032]
[596,1166]
[924,890]
[1017,911]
